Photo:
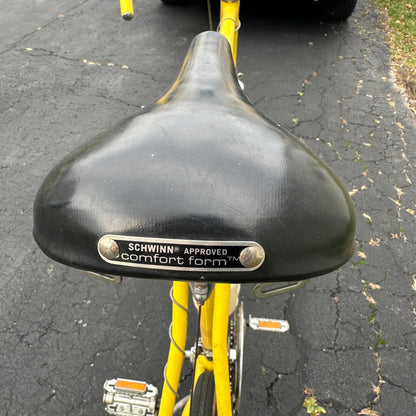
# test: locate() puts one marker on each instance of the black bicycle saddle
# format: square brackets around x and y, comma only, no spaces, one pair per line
[199,186]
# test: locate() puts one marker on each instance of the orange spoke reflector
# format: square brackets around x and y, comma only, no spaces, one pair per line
[131,385]
[270,324]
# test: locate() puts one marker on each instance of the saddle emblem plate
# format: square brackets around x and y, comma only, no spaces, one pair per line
[181,255]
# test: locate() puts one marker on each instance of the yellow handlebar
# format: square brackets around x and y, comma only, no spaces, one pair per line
[127,10]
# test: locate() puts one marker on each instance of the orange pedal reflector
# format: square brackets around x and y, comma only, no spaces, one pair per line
[270,324]
[263,324]
[124,384]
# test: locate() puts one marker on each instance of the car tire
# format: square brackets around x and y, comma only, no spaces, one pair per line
[336,9]
[175,2]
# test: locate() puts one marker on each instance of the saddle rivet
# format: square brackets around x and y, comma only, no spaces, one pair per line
[252,257]
[108,248]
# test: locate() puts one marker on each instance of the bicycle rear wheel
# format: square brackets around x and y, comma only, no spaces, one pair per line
[203,399]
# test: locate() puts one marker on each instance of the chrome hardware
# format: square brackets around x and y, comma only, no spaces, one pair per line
[124,397]
[114,280]
[240,77]
[201,291]
[232,354]
[198,349]
[265,290]
[191,354]
[108,248]
[128,16]
[178,254]
[252,257]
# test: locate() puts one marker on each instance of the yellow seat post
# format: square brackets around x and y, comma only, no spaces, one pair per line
[177,347]
[230,23]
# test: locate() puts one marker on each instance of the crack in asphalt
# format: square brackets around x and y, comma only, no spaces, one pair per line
[27,36]
[40,52]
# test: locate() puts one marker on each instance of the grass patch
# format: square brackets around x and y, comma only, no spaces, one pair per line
[380,341]
[400,22]
[311,404]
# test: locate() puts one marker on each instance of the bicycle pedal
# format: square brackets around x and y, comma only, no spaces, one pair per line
[266,324]
[124,397]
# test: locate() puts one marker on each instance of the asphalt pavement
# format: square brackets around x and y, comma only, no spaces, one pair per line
[72,68]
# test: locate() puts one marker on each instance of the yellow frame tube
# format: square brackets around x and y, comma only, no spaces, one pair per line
[207,311]
[126,8]
[176,356]
[230,23]
[220,349]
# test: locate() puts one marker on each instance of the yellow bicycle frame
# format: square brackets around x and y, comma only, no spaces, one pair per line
[215,311]
[230,23]
[214,334]
[177,347]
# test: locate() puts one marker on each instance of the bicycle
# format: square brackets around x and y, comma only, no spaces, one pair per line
[202,189]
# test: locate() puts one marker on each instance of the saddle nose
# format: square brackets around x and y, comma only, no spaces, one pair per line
[201,166]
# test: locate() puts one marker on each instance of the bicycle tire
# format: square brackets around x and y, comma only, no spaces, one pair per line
[204,395]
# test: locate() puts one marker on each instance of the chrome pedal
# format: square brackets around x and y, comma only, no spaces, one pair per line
[266,324]
[124,397]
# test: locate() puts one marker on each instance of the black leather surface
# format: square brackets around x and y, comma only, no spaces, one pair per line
[204,164]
